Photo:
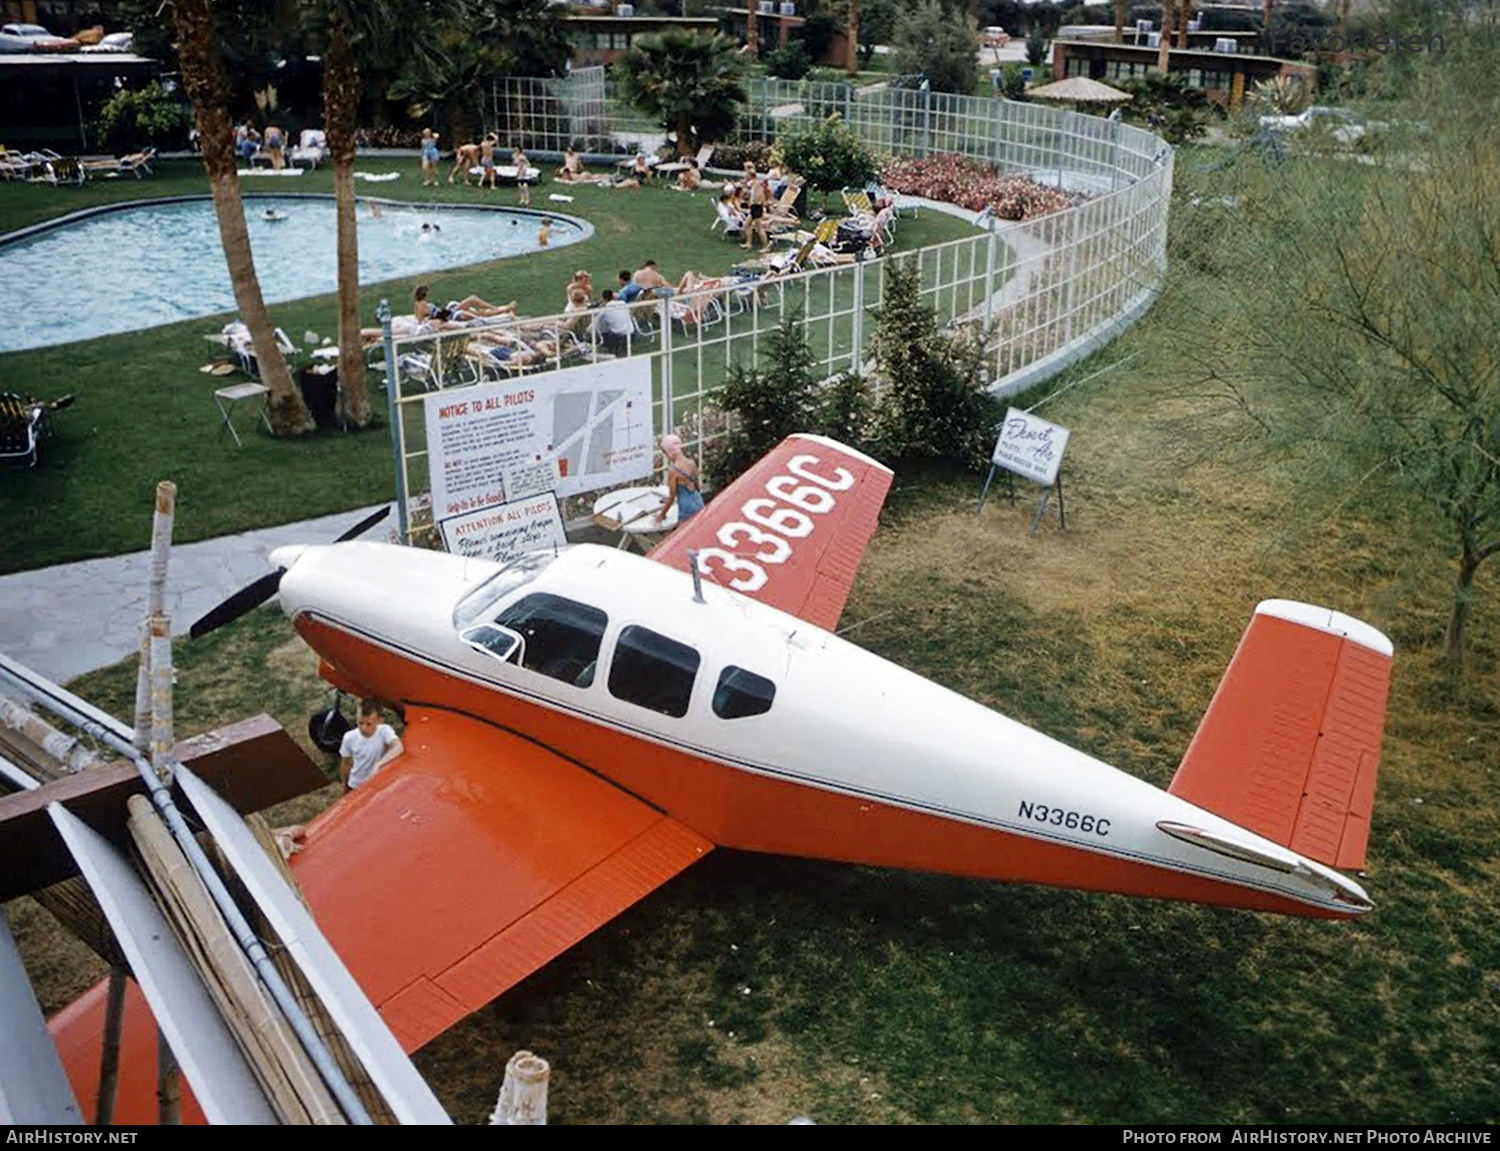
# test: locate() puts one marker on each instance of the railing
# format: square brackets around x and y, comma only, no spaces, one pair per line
[1040,294]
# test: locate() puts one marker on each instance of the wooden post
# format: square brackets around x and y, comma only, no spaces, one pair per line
[523,1094]
[168,1084]
[156,599]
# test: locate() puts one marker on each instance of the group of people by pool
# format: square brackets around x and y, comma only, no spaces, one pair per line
[478,158]
[249,143]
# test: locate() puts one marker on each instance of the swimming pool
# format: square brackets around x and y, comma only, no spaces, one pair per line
[138,267]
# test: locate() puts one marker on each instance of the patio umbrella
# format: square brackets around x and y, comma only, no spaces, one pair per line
[1078,90]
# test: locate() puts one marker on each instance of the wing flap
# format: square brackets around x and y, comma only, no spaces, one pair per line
[470,862]
[791,530]
[1290,746]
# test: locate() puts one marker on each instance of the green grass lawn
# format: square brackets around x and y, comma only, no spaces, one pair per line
[752,989]
[145,413]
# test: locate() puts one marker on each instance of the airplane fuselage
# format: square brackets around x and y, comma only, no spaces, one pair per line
[765,733]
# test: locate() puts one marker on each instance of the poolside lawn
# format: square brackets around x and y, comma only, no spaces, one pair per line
[145,412]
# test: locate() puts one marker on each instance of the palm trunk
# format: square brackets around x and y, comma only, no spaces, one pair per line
[1184,14]
[207,86]
[851,55]
[1166,36]
[1120,21]
[1266,24]
[340,121]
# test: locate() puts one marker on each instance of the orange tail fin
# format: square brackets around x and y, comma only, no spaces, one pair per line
[1290,745]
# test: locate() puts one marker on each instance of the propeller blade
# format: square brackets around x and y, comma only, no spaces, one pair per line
[246,599]
[251,596]
[364,525]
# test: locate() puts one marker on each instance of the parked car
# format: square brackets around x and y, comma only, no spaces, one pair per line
[1342,124]
[995,37]
[31,38]
[114,42]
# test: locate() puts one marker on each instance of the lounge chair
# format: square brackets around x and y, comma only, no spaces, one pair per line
[237,339]
[732,221]
[448,363]
[23,424]
[13,165]
[705,154]
[50,168]
[135,164]
[311,149]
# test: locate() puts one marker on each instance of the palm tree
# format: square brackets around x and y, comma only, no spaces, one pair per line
[348,34]
[1184,14]
[207,84]
[1120,9]
[467,47]
[692,83]
[1165,45]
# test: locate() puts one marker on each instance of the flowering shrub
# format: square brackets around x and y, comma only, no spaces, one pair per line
[955,179]
[829,157]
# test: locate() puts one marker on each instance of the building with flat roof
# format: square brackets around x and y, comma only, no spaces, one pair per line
[1223,76]
[46,100]
[603,39]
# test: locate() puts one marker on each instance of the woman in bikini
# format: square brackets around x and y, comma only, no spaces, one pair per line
[682,481]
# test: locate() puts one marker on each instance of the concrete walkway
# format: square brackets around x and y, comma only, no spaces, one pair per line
[66,620]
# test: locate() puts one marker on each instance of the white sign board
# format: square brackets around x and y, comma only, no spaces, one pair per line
[592,423]
[1030,447]
[505,530]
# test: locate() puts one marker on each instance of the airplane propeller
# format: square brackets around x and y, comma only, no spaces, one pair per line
[252,595]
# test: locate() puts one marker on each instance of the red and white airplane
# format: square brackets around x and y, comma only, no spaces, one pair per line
[583,724]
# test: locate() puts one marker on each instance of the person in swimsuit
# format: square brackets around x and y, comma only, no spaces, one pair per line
[572,167]
[487,161]
[465,157]
[523,166]
[273,145]
[429,158]
[682,481]
[760,198]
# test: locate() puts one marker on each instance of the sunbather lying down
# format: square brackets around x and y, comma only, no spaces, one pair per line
[456,311]
[507,347]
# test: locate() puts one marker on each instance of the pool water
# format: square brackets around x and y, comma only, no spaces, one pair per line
[160,263]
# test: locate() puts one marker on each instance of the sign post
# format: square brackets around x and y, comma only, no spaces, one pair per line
[1030,447]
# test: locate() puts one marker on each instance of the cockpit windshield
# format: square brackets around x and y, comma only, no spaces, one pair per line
[478,606]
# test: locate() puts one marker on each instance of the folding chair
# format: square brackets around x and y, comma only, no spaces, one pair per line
[234,393]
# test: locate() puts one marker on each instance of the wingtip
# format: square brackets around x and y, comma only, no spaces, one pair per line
[1326,619]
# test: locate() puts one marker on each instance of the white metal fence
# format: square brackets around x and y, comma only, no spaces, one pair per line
[1040,293]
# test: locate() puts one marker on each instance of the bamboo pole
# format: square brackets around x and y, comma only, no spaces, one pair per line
[109,1055]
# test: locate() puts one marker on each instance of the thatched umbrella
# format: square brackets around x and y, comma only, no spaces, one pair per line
[1078,90]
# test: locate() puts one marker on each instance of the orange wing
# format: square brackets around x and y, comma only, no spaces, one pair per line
[470,862]
[449,877]
[791,531]
[1290,745]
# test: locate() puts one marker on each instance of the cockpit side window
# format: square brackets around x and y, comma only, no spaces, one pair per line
[562,636]
[742,693]
[653,671]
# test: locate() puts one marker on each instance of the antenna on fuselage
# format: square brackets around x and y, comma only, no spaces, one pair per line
[697,578]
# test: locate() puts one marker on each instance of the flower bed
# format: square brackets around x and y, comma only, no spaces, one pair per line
[955,179]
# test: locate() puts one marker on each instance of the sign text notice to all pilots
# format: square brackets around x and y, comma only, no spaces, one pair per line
[1031,447]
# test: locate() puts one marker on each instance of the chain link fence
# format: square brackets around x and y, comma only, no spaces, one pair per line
[1041,294]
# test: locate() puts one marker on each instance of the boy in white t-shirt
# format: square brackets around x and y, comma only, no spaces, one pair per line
[368,747]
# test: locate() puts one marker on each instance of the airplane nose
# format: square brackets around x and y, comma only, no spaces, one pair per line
[285,557]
